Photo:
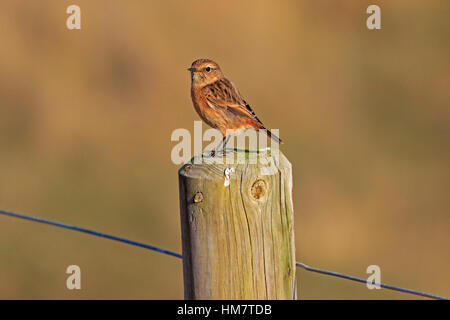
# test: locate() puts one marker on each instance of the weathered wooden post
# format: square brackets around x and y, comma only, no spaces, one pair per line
[237,228]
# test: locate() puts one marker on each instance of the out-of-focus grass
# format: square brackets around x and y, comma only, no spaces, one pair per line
[86,118]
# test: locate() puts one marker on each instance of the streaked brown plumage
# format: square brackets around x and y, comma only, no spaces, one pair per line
[219,103]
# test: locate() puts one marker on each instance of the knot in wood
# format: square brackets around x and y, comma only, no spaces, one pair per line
[198,197]
[258,188]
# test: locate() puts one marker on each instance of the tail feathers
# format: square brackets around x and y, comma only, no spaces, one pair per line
[272,136]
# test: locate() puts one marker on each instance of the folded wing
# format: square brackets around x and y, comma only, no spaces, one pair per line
[223,94]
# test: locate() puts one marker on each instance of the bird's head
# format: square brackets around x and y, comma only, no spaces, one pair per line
[204,72]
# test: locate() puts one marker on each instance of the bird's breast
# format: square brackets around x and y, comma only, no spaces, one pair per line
[202,107]
[218,117]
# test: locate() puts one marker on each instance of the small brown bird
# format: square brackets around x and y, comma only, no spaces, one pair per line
[219,103]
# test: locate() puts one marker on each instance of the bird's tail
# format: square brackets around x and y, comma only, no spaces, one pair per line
[272,136]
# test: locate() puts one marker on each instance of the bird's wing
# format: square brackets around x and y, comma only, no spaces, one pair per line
[223,94]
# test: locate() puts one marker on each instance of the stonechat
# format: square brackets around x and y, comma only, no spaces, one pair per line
[219,103]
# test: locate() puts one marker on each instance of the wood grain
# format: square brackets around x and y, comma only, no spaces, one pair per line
[237,233]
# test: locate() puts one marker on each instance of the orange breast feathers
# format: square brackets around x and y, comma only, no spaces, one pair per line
[221,106]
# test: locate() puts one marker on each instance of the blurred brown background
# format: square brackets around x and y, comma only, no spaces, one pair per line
[86,118]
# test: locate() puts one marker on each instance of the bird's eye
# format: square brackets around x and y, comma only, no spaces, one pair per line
[208,69]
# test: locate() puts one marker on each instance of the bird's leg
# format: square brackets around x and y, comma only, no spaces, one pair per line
[213,152]
[226,138]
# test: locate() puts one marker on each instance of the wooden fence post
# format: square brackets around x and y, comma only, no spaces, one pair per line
[237,228]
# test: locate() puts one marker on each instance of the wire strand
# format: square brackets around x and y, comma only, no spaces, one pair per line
[382,285]
[175,254]
[95,233]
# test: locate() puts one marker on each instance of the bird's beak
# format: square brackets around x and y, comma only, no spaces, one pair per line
[192,69]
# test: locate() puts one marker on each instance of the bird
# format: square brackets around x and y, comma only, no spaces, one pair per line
[219,103]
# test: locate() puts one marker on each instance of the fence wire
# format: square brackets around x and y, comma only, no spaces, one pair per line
[177,255]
